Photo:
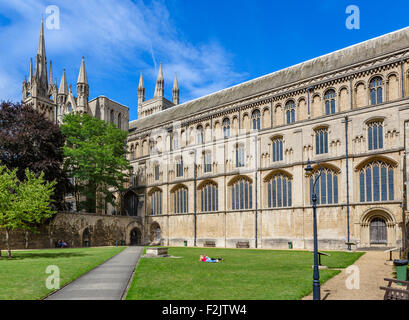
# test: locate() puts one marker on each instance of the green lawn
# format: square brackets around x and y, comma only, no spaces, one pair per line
[24,277]
[244,275]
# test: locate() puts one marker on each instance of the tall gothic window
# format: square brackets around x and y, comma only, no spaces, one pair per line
[329,98]
[156,201]
[256,119]
[209,197]
[376,90]
[180,200]
[226,127]
[326,187]
[200,135]
[156,172]
[242,194]
[119,121]
[290,111]
[240,156]
[208,161]
[321,141]
[112,116]
[376,182]
[179,167]
[277,149]
[375,135]
[69,107]
[279,191]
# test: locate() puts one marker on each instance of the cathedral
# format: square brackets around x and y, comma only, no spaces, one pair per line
[239,167]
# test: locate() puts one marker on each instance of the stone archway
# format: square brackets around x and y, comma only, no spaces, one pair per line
[155,234]
[378,228]
[86,238]
[135,237]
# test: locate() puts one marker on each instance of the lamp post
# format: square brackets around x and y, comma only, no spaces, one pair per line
[316,276]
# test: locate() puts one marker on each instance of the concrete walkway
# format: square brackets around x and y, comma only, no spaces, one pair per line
[108,281]
[372,271]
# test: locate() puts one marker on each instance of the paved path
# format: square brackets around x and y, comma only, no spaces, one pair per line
[372,271]
[108,281]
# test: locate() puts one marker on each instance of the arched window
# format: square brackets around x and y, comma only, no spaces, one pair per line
[69,107]
[277,149]
[376,90]
[112,116]
[375,135]
[226,127]
[156,201]
[200,135]
[329,98]
[156,168]
[290,111]
[207,161]
[279,191]
[321,141]
[180,200]
[326,187]
[376,182]
[242,194]
[240,156]
[119,121]
[256,119]
[179,167]
[209,197]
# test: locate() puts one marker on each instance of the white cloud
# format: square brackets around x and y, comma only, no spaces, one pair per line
[115,37]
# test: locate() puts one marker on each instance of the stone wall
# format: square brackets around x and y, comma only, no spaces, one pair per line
[75,229]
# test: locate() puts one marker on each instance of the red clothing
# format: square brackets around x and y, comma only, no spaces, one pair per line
[204,259]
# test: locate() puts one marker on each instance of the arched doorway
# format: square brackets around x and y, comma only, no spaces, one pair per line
[378,231]
[86,238]
[156,233]
[131,204]
[135,237]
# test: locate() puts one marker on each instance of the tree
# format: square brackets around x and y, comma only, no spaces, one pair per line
[24,205]
[29,140]
[95,156]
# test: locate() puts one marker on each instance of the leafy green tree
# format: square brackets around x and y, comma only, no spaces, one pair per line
[29,140]
[95,156]
[24,205]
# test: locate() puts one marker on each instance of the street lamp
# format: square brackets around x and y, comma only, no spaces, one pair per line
[316,282]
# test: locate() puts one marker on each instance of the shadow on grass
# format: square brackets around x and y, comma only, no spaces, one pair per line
[41,255]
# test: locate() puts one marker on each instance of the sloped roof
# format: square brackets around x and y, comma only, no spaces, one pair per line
[363,51]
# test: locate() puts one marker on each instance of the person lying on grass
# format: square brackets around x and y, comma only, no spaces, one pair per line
[205,258]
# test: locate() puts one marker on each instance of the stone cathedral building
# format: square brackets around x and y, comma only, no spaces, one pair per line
[228,169]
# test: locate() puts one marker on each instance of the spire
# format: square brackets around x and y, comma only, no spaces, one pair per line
[82,76]
[160,84]
[63,85]
[50,75]
[141,90]
[30,75]
[175,91]
[141,84]
[40,73]
[41,41]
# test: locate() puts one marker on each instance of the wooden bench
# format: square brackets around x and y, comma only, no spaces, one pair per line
[243,244]
[396,293]
[210,244]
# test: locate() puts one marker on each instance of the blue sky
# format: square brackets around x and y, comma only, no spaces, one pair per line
[210,44]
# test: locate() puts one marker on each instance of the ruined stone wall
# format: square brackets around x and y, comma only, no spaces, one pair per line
[75,229]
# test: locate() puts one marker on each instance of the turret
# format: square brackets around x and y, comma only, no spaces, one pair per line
[160,84]
[141,91]
[175,91]
[82,88]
